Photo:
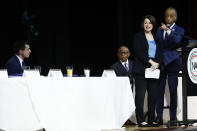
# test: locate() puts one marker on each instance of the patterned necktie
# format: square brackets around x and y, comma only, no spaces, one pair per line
[126,67]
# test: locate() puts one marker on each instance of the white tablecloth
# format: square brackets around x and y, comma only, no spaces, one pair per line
[65,104]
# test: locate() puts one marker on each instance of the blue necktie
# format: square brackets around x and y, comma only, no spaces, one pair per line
[125,65]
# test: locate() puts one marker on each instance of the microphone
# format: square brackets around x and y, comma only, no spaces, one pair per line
[168,26]
[172,30]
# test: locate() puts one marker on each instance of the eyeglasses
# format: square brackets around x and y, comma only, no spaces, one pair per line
[125,53]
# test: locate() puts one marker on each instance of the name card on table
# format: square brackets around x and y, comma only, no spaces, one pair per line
[31,73]
[109,73]
[3,74]
[55,73]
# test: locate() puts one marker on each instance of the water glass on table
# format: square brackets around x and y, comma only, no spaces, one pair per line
[38,68]
[26,67]
[87,72]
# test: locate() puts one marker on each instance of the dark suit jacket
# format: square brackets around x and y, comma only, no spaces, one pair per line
[13,66]
[121,71]
[167,45]
[140,49]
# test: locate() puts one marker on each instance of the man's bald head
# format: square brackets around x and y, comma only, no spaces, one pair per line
[170,15]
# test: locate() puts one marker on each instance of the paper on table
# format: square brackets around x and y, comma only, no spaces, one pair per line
[3,73]
[55,73]
[109,73]
[149,73]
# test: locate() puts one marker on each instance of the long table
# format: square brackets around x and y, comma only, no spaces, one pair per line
[65,104]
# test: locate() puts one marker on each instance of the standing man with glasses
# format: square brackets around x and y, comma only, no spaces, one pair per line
[169,36]
[16,62]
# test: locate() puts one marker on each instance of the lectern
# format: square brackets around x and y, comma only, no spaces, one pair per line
[189,79]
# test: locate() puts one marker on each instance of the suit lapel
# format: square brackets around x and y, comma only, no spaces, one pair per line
[156,40]
[145,41]
[18,62]
[174,28]
[130,66]
[122,67]
[162,35]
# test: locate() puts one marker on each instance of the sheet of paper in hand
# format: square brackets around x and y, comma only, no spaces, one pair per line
[154,74]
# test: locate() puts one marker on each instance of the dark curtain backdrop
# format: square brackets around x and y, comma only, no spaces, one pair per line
[10,27]
[84,34]
[192,18]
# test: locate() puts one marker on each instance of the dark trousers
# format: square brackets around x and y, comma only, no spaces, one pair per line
[171,72]
[141,85]
[172,83]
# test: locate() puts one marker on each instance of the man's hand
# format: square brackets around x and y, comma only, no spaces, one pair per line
[164,27]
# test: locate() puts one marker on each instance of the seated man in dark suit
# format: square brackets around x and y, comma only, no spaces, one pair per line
[123,67]
[16,62]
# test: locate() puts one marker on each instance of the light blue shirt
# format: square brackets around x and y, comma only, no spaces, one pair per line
[151,48]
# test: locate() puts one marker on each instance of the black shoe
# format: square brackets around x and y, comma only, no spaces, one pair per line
[41,129]
[159,121]
[143,124]
[129,122]
[173,123]
[154,124]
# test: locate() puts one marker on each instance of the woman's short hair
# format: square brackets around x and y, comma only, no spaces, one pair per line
[152,20]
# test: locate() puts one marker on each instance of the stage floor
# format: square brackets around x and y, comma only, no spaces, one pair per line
[136,128]
[161,128]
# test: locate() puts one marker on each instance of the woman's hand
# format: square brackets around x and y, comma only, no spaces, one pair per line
[154,65]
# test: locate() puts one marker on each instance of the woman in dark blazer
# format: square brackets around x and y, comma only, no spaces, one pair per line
[147,55]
